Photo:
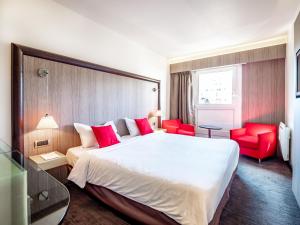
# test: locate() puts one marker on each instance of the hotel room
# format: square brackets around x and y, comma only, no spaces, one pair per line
[150,112]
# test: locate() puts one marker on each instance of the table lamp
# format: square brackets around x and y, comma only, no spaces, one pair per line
[46,122]
[156,114]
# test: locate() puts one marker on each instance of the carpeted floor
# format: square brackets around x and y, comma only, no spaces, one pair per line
[260,195]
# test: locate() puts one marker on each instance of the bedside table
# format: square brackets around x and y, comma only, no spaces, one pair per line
[56,167]
[160,130]
[49,164]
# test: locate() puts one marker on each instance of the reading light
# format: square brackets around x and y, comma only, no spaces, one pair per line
[47,122]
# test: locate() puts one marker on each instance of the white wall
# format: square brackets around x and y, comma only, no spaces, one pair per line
[290,79]
[49,26]
[290,69]
[296,109]
[293,103]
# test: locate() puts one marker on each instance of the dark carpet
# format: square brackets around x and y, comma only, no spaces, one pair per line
[260,195]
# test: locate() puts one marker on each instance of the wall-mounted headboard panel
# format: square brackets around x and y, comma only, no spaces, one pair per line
[73,91]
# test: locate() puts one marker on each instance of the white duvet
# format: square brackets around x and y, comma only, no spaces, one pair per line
[184,177]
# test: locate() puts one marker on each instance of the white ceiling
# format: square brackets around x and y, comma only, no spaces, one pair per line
[175,28]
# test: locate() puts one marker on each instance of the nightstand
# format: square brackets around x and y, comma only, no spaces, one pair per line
[49,164]
[56,167]
[160,130]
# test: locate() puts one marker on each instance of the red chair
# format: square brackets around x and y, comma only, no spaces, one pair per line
[176,127]
[256,140]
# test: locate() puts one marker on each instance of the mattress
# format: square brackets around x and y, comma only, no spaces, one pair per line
[184,177]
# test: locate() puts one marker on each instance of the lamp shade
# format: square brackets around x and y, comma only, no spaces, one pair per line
[47,122]
[158,113]
[154,113]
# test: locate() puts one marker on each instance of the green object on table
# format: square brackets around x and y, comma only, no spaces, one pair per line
[13,190]
[29,195]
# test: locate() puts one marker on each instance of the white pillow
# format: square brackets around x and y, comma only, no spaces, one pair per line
[86,134]
[114,129]
[132,127]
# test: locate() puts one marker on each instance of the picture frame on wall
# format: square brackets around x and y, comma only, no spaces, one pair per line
[298,74]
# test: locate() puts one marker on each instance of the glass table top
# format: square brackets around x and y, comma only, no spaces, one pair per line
[31,195]
[210,127]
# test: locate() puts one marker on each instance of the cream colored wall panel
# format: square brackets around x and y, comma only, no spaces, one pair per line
[77,94]
[254,55]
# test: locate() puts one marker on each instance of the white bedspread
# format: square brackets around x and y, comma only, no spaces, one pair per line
[184,177]
[74,153]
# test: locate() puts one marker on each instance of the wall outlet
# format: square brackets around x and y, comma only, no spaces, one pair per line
[42,143]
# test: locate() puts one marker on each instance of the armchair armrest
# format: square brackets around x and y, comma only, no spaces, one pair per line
[237,132]
[267,141]
[187,127]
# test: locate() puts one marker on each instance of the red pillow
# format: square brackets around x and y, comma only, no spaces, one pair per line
[105,136]
[144,126]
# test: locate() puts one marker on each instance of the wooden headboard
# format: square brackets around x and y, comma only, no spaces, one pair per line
[78,91]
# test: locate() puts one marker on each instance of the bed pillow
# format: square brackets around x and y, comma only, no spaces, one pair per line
[144,126]
[105,136]
[132,127]
[112,124]
[86,135]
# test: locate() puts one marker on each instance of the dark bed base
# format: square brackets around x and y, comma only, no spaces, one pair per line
[144,214]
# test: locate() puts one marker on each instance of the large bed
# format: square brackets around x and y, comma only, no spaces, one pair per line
[155,179]
[160,178]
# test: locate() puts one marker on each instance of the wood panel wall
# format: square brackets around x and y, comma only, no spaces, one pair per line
[263,92]
[254,55]
[77,94]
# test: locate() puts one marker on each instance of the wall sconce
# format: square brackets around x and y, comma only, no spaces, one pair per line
[43,72]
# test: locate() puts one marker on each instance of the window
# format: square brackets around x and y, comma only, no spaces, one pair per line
[215,85]
[217,98]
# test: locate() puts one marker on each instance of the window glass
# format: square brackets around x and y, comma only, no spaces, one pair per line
[215,87]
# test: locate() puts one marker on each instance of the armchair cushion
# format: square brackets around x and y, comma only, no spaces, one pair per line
[187,127]
[185,132]
[171,129]
[247,141]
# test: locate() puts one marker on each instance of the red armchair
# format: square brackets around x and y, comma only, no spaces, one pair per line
[176,127]
[256,140]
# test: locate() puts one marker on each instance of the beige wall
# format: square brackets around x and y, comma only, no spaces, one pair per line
[263,92]
[49,26]
[248,56]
